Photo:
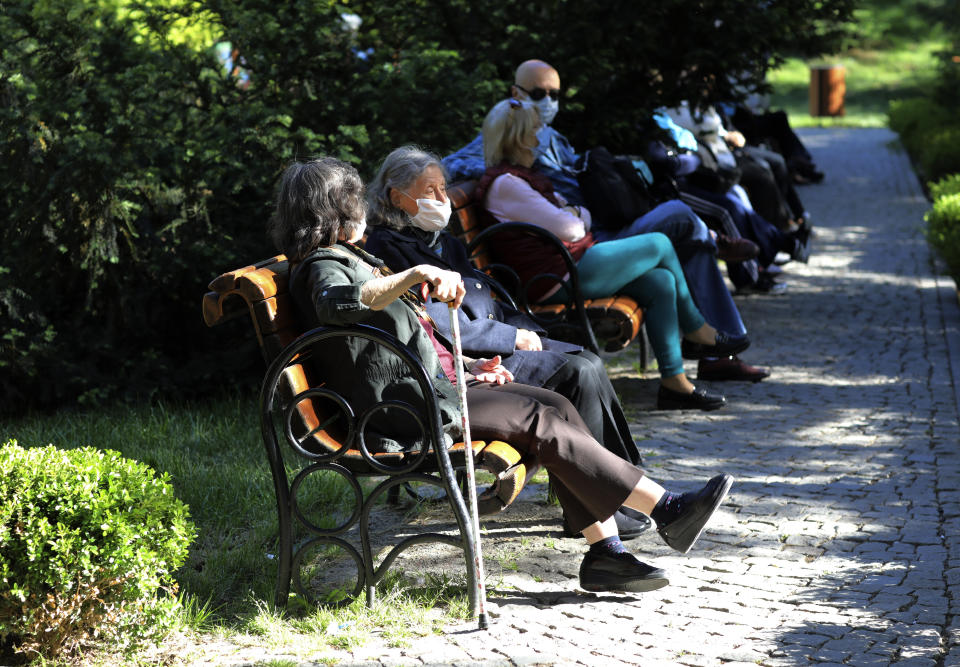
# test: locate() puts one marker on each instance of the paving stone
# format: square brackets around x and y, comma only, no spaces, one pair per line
[868,660]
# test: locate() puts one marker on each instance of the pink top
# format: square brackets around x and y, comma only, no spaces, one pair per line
[510,198]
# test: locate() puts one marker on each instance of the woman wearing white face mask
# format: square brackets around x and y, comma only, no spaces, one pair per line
[407,205]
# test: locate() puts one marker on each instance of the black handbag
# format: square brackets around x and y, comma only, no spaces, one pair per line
[613,190]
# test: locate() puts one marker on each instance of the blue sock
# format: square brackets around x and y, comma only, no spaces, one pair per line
[608,545]
[667,508]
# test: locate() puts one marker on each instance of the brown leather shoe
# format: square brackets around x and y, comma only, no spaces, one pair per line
[736,250]
[729,369]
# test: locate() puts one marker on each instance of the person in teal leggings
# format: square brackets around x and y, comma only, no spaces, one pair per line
[644,267]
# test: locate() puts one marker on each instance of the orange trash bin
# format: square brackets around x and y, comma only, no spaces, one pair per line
[828,87]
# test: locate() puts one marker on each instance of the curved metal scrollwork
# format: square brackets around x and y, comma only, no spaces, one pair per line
[346,454]
[415,457]
[296,444]
[374,575]
[574,299]
[304,551]
[354,486]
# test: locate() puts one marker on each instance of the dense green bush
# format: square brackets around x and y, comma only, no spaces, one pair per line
[133,168]
[931,134]
[88,542]
[930,130]
[945,186]
[943,222]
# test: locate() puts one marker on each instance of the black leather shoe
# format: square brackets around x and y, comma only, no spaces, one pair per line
[700,399]
[630,524]
[619,572]
[730,369]
[698,507]
[725,345]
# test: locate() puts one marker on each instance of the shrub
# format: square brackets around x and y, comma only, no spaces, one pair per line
[941,153]
[908,118]
[949,185]
[930,133]
[943,229]
[88,541]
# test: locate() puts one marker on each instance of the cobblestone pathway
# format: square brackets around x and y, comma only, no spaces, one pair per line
[840,543]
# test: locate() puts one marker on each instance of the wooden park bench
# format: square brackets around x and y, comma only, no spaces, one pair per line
[616,320]
[308,429]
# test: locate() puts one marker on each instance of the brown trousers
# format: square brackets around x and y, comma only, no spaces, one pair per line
[590,481]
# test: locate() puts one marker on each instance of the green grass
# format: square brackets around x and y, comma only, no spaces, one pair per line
[218,466]
[873,79]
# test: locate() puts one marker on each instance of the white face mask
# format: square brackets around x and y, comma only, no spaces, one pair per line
[548,109]
[432,215]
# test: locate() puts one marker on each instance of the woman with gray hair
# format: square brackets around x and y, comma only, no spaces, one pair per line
[318,220]
[408,215]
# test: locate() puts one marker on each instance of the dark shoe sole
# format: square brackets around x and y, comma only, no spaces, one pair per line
[682,536]
[722,377]
[754,379]
[618,585]
[671,404]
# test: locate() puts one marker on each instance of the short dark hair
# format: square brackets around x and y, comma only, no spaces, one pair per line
[316,201]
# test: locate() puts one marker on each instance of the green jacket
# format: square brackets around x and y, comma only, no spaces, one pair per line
[326,289]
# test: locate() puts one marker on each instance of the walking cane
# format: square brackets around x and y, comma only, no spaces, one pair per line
[471,482]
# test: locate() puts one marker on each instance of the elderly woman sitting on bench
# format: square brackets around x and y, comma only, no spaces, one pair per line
[409,211]
[319,216]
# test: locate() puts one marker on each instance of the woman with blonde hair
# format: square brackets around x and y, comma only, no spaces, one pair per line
[644,267]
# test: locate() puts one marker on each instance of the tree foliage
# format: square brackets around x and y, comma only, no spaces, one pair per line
[135,168]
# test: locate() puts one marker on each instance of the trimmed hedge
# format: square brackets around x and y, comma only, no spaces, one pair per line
[88,542]
[943,222]
[930,132]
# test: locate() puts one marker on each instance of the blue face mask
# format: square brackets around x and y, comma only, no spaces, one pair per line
[548,108]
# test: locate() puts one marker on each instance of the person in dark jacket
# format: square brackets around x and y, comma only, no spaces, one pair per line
[319,217]
[404,237]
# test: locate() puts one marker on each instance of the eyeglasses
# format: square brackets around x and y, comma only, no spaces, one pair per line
[538,94]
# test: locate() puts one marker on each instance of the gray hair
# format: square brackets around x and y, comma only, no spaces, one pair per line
[317,201]
[399,171]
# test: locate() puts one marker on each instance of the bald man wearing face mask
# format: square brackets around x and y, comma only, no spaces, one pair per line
[538,83]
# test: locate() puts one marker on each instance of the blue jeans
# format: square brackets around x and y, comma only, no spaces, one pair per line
[693,242]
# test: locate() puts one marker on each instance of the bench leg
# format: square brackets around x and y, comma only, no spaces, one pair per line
[644,348]
[393,495]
